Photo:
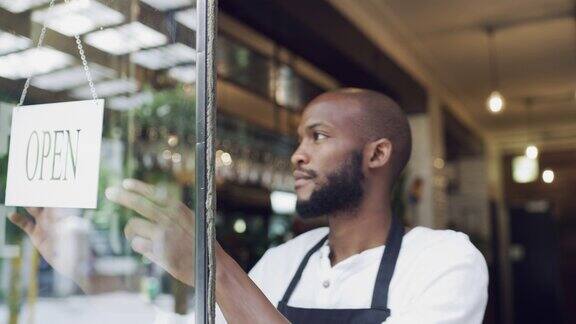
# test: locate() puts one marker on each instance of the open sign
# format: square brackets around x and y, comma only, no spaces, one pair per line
[50,153]
[54,155]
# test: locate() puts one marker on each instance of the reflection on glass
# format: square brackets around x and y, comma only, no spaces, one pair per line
[126,38]
[34,61]
[78,17]
[278,82]
[130,260]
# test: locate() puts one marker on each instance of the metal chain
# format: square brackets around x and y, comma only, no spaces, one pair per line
[86,68]
[80,51]
[40,41]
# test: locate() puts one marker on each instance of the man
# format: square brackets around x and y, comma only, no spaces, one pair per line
[364,268]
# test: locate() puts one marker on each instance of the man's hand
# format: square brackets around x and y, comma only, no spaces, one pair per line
[166,233]
[45,228]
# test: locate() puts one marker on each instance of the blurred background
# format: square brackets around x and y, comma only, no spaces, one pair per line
[489,88]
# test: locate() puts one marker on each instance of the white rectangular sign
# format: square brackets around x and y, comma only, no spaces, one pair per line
[54,156]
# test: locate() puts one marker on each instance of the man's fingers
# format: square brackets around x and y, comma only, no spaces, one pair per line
[145,247]
[142,245]
[138,227]
[23,223]
[136,202]
[145,238]
[34,211]
[159,197]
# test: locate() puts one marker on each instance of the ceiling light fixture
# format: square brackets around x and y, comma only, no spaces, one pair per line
[70,78]
[495,102]
[32,62]
[126,38]
[10,43]
[531,151]
[107,89]
[184,74]
[125,103]
[164,5]
[78,17]
[548,176]
[524,170]
[18,6]
[164,57]
[187,18]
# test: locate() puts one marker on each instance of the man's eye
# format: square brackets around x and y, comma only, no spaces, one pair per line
[319,136]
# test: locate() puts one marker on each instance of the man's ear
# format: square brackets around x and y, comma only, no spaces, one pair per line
[378,153]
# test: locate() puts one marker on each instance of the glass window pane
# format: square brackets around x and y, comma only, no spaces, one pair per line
[131,259]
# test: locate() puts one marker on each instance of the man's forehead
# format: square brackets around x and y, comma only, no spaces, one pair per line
[336,112]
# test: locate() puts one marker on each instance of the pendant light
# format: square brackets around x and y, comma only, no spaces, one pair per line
[548,176]
[531,151]
[495,102]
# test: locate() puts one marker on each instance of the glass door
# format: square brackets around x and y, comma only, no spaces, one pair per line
[132,259]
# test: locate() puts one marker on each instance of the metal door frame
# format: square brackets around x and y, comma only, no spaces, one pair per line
[205,209]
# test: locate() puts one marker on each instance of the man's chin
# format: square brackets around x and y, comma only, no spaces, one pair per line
[302,195]
[305,210]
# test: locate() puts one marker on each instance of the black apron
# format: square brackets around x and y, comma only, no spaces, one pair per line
[379,310]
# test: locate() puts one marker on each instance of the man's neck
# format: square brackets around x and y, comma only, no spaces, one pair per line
[359,230]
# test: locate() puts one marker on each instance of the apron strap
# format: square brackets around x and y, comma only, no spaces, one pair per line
[300,270]
[387,265]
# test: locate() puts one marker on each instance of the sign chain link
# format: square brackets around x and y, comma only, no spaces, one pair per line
[80,51]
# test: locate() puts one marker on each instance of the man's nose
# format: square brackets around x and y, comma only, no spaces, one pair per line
[299,157]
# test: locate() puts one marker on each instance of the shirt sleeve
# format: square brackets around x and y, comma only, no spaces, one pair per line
[454,291]
[258,272]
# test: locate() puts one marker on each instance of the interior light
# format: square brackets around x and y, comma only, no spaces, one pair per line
[78,17]
[12,43]
[33,62]
[495,102]
[176,158]
[18,6]
[226,159]
[548,176]
[283,202]
[70,78]
[167,154]
[240,226]
[125,103]
[439,163]
[164,57]
[531,152]
[184,74]
[164,5]
[524,169]
[107,89]
[187,18]
[126,38]
[173,140]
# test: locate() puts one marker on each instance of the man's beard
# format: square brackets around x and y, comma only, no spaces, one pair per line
[342,192]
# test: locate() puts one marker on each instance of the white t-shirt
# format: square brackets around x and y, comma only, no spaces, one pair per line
[440,278]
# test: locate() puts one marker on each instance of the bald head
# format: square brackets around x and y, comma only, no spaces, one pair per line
[377,116]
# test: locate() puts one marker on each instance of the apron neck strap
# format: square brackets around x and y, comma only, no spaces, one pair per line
[298,274]
[387,264]
[385,271]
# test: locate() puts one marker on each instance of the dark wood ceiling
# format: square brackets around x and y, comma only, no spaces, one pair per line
[317,32]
